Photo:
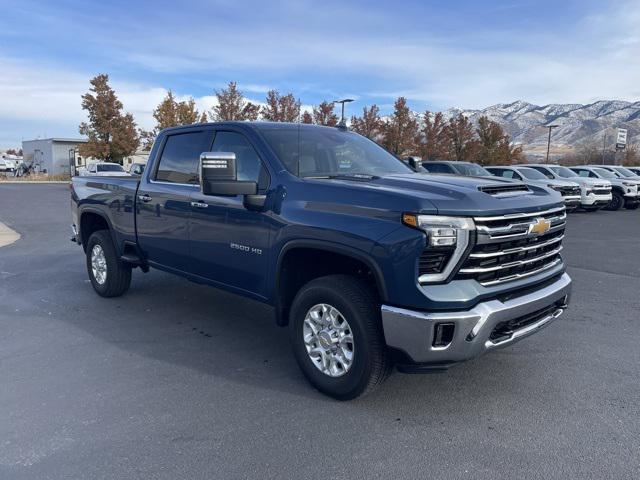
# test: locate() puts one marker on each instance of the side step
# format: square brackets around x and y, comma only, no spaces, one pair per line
[134,260]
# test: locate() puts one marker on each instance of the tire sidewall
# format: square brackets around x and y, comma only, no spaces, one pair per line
[618,201]
[103,239]
[354,380]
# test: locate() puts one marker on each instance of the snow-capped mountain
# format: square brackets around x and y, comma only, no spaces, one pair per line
[577,123]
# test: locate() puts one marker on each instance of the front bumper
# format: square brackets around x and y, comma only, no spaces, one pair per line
[593,199]
[412,332]
[571,201]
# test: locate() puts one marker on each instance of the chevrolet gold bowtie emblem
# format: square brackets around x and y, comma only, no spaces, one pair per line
[541,226]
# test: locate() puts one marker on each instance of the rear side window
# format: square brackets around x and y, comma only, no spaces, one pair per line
[181,156]
[544,171]
[437,167]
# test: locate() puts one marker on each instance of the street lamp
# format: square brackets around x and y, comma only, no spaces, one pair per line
[346,100]
[550,127]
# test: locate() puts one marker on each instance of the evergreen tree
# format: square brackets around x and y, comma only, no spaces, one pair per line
[281,108]
[401,130]
[233,106]
[370,124]
[111,134]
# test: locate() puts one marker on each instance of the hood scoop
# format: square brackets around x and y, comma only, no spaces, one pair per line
[505,190]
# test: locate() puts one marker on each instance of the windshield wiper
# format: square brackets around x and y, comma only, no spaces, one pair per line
[346,176]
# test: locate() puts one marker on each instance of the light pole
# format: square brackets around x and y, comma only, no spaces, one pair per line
[604,144]
[346,100]
[550,127]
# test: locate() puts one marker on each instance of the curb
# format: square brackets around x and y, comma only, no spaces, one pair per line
[7,236]
[35,182]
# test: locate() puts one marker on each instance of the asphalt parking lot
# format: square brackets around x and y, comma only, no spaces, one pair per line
[176,380]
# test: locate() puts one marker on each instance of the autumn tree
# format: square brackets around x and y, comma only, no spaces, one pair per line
[16,152]
[111,134]
[307,117]
[460,136]
[401,130]
[370,124]
[233,106]
[323,114]
[281,108]
[432,140]
[170,113]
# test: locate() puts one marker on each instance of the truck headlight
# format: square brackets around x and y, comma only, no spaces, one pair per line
[448,235]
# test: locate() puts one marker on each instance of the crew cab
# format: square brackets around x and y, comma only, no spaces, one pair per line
[594,193]
[624,192]
[369,263]
[570,191]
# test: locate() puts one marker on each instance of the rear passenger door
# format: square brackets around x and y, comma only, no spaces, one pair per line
[164,199]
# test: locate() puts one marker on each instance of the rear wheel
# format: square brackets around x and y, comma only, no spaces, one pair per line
[617,201]
[109,276]
[337,338]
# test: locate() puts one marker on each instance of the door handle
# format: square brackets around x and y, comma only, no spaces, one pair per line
[199,204]
[144,198]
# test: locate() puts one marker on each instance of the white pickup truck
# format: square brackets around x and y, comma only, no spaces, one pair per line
[103,169]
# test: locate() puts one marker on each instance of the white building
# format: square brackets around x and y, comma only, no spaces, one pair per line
[53,155]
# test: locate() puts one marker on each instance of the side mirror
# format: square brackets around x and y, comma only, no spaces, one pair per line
[415,163]
[218,175]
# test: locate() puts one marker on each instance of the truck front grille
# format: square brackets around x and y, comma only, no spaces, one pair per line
[510,247]
[569,191]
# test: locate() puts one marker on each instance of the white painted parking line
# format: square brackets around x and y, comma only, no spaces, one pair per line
[7,236]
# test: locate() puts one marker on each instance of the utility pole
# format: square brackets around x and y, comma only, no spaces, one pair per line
[343,101]
[550,127]
[604,145]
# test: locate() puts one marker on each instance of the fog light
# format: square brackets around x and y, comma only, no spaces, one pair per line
[443,334]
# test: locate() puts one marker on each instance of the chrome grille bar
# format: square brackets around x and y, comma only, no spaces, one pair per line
[518,276]
[517,263]
[512,216]
[508,251]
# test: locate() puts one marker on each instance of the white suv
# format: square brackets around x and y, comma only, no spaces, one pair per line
[595,193]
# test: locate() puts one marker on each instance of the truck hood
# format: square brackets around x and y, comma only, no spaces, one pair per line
[591,182]
[451,195]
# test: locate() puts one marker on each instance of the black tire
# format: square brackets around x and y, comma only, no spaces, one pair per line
[360,307]
[118,273]
[617,201]
[591,209]
[632,205]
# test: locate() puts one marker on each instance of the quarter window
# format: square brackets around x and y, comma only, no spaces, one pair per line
[181,156]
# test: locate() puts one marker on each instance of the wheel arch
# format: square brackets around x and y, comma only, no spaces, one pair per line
[326,258]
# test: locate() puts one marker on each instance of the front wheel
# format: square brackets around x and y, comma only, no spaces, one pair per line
[337,338]
[617,201]
[109,276]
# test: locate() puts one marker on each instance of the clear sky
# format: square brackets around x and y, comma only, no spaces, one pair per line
[439,54]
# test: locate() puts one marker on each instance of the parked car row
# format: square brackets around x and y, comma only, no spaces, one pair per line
[590,187]
[109,169]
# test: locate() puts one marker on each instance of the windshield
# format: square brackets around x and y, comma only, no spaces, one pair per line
[531,174]
[110,167]
[471,169]
[625,172]
[564,172]
[604,173]
[328,152]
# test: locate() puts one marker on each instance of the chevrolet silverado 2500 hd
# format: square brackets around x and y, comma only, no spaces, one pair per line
[368,263]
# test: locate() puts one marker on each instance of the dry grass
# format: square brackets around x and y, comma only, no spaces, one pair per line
[35,177]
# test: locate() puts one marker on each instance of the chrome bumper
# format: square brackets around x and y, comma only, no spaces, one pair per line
[413,332]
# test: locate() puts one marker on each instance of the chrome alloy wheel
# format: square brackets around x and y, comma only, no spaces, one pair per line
[98,264]
[328,339]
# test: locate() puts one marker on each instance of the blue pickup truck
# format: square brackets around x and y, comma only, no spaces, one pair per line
[370,264]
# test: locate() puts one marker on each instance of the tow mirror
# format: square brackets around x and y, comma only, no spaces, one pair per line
[218,175]
[415,163]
